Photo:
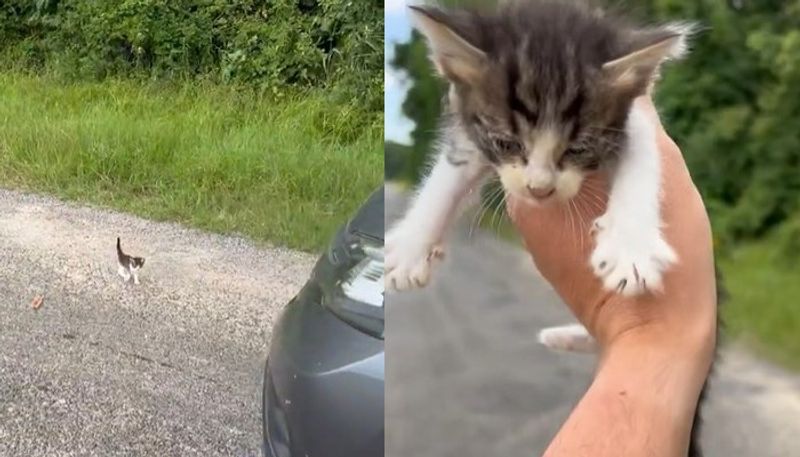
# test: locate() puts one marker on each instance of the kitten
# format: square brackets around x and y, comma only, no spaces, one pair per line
[128,265]
[541,94]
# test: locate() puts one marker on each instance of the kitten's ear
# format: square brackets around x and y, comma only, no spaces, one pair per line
[651,49]
[454,57]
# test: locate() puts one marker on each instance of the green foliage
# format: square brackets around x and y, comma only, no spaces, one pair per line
[396,165]
[269,44]
[732,106]
[422,103]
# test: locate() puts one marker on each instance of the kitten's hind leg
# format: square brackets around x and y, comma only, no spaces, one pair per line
[572,338]
[135,277]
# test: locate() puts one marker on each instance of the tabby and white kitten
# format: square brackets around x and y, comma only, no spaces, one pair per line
[541,94]
[128,266]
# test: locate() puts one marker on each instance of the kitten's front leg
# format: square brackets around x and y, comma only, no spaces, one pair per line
[122,271]
[631,254]
[415,242]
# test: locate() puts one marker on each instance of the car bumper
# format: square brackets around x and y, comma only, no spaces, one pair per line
[323,385]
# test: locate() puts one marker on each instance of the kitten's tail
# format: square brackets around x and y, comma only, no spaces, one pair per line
[119,248]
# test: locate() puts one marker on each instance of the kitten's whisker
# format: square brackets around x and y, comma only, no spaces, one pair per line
[579,222]
[577,228]
[579,210]
[571,226]
[605,142]
[599,193]
[597,201]
[564,209]
[571,222]
[482,207]
[594,138]
[598,198]
[493,209]
[594,185]
[584,226]
[498,193]
[485,207]
[607,129]
[497,211]
[593,207]
[476,219]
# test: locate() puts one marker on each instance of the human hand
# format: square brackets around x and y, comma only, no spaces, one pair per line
[657,348]
[558,238]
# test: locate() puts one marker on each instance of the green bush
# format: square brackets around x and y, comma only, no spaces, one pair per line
[734,107]
[268,44]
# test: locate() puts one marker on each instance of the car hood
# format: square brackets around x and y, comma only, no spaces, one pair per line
[369,220]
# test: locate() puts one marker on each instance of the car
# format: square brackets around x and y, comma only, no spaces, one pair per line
[323,385]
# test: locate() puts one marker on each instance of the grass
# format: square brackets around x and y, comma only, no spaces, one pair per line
[286,171]
[764,304]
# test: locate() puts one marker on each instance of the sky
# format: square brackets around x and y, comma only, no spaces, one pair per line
[398,30]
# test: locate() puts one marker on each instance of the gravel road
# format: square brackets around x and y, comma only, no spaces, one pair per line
[467,378]
[171,367]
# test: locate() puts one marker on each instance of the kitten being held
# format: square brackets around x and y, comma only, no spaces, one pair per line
[128,265]
[541,94]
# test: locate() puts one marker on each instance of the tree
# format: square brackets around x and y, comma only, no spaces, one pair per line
[422,103]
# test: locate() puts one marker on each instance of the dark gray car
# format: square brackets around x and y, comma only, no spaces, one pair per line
[324,378]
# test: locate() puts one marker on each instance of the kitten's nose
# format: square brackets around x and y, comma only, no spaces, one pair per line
[541,192]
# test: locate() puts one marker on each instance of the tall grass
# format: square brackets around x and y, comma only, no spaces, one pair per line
[764,305]
[286,171]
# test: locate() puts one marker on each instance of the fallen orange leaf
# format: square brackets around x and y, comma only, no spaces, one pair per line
[37,302]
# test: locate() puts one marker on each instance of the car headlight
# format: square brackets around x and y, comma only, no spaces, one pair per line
[354,290]
[364,282]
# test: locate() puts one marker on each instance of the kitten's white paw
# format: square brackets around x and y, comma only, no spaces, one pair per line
[409,258]
[628,258]
[573,338]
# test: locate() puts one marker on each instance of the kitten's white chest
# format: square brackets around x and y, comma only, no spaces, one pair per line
[128,273]
[122,271]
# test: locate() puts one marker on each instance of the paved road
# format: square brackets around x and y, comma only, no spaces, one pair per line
[169,368]
[466,377]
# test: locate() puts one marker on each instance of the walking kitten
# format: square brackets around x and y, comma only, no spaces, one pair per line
[540,94]
[128,265]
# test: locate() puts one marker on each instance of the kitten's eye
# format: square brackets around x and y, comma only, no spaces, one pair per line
[507,146]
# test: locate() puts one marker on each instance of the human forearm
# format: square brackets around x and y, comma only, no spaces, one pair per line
[641,403]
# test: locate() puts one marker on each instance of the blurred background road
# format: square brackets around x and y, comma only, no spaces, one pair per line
[466,377]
